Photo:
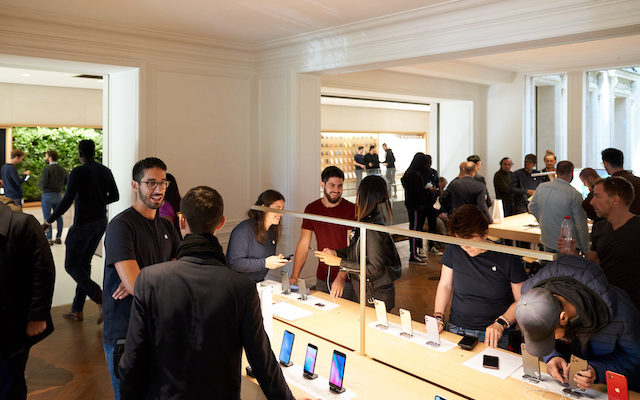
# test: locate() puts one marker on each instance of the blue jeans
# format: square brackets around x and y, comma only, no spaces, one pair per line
[115,382]
[49,202]
[503,343]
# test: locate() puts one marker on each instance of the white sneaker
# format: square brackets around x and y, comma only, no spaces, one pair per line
[422,253]
[433,250]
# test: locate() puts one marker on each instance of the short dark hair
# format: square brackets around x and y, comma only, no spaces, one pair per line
[53,154]
[360,147]
[17,153]
[146,163]
[372,147]
[617,186]
[504,159]
[87,149]
[467,221]
[564,168]
[331,172]
[531,158]
[203,209]
[474,158]
[614,157]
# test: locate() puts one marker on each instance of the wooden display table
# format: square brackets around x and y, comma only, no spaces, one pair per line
[367,378]
[523,227]
[341,326]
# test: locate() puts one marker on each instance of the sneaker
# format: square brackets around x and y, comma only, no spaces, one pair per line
[434,250]
[418,261]
[58,241]
[51,242]
[421,253]
[76,316]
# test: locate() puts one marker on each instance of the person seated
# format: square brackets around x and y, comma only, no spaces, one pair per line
[252,245]
[383,262]
[485,284]
[568,308]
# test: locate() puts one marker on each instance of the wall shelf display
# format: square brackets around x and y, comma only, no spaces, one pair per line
[338,148]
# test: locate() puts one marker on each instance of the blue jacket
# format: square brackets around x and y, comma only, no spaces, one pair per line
[617,346]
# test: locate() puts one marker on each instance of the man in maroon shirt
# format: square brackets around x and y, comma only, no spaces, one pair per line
[331,236]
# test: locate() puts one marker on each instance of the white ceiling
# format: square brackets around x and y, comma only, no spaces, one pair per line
[47,78]
[248,22]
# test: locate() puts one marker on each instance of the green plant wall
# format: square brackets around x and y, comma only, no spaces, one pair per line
[36,141]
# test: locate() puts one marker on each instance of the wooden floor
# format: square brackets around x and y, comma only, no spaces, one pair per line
[70,364]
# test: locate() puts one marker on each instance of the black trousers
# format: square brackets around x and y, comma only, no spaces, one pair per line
[82,241]
[12,383]
[416,222]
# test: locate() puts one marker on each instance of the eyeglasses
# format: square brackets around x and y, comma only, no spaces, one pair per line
[152,184]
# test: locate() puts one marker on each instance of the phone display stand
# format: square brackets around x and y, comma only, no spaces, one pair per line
[531,379]
[338,391]
[381,314]
[310,376]
[431,343]
[286,364]
[286,289]
[405,334]
[302,289]
[572,392]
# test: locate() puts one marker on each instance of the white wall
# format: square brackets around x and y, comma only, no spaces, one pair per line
[456,136]
[29,105]
[364,119]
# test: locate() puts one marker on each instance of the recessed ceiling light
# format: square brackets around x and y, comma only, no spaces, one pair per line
[25,75]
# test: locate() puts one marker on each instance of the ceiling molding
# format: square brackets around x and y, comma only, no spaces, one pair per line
[460,71]
[422,36]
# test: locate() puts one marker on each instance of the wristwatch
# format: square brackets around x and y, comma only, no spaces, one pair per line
[502,321]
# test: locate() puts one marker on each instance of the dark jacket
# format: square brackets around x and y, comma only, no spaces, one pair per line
[390,159]
[53,178]
[11,181]
[635,181]
[502,184]
[617,346]
[383,262]
[481,179]
[190,320]
[415,193]
[521,181]
[465,190]
[27,276]
[373,159]
[92,187]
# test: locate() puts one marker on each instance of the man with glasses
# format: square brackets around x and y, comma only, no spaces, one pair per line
[135,238]
[92,187]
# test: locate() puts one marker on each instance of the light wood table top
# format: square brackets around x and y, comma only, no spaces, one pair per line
[517,227]
[367,378]
[341,326]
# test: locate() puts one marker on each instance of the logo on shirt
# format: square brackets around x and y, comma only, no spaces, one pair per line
[166,236]
[494,268]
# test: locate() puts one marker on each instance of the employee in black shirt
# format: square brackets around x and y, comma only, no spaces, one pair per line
[92,187]
[52,180]
[372,161]
[390,163]
[502,185]
[523,185]
[135,238]
[486,285]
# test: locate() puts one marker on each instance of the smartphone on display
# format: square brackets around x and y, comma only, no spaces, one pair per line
[284,276]
[381,314]
[310,362]
[285,349]
[433,332]
[576,365]
[491,362]
[617,386]
[302,289]
[468,342]
[530,365]
[439,398]
[337,372]
[405,319]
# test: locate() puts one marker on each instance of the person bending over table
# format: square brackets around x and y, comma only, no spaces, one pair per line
[252,245]
[485,284]
[383,262]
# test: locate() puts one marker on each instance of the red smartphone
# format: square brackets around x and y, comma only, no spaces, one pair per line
[617,386]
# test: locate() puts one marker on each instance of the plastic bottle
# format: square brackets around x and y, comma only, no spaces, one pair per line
[566,232]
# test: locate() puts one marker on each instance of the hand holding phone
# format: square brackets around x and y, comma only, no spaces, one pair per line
[576,365]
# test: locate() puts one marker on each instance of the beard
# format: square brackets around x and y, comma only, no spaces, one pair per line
[330,199]
[147,201]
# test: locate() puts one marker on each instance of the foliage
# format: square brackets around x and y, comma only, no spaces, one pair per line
[35,142]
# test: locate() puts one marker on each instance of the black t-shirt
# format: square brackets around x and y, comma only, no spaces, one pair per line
[130,236]
[481,285]
[617,253]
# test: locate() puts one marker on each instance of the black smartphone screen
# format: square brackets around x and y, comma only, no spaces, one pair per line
[490,362]
[468,342]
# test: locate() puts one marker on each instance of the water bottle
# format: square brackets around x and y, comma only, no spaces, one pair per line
[566,232]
